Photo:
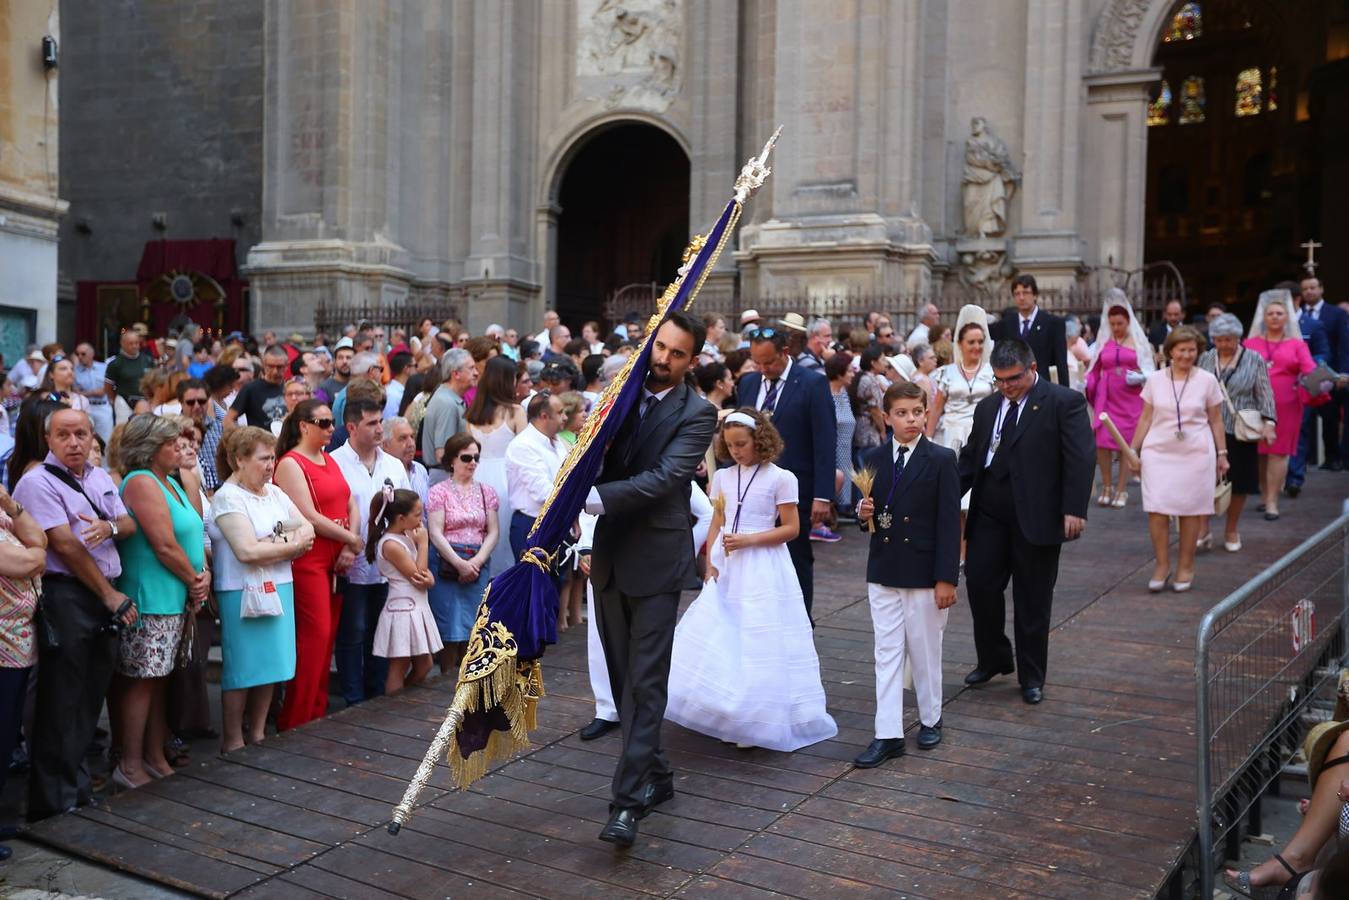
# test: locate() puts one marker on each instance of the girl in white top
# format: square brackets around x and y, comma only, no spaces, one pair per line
[406,634]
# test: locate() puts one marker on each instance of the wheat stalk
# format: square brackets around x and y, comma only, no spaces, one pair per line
[864,480]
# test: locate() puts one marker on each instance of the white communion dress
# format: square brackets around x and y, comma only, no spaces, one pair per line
[744,667]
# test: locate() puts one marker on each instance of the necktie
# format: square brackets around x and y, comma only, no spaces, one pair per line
[1025,327]
[899,461]
[650,401]
[1008,425]
[770,399]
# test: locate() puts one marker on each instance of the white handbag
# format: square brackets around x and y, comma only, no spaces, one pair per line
[1248,425]
[260,598]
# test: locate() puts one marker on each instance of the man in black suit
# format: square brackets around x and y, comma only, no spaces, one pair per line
[803,413]
[1334,323]
[1172,317]
[1043,331]
[642,558]
[1029,464]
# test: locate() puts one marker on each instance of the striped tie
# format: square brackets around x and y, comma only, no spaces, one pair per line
[770,400]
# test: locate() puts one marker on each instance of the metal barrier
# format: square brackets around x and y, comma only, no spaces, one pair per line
[1263,655]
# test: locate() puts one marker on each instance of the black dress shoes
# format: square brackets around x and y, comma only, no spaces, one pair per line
[656,793]
[1032,695]
[980,675]
[597,728]
[929,736]
[880,750]
[621,829]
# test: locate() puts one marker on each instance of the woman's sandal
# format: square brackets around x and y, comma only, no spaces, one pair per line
[1121,500]
[1242,882]
[178,752]
[1104,499]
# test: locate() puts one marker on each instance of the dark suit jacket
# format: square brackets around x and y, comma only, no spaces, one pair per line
[1328,336]
[1053,455]
[643,543]
[804,416]
[1046,338]
[1157,333]
[922,544]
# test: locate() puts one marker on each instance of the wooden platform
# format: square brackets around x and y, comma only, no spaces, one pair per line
[1090,794]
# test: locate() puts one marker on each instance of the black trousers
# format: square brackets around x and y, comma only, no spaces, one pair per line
[638,635]
[13,692]
[803,559]
[997,553]
[72,682]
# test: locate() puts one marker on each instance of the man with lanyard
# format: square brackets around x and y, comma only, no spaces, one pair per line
[77,505]
[91,383]
[366,468]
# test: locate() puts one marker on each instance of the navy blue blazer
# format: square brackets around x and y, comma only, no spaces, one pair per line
[922,544]
[1332,347]
[804,416]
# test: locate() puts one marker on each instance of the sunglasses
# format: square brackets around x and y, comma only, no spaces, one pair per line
[755,333]
[469,457]
[194,402]
[325,424]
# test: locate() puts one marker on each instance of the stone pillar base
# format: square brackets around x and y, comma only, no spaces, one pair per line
[498,301]
[1055,258]
[288,280]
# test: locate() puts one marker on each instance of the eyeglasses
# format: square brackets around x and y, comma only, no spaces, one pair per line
[469,457]
[195,402]
[1010,379]
[325,424]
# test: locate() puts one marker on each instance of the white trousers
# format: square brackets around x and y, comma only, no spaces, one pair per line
[599,671]
[908,624]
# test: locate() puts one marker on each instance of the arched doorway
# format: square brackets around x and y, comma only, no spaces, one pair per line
[624,200]
[1233,177]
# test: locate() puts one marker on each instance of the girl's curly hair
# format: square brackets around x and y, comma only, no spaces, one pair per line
[767,442]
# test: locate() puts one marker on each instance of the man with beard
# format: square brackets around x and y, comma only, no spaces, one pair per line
[331,387]
[643,557]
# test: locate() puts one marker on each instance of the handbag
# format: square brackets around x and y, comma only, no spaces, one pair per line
[1248,426]
[260,598]
[1222,497]
[465,551]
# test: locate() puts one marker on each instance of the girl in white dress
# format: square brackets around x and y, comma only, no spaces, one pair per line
[406,634]
[744,667]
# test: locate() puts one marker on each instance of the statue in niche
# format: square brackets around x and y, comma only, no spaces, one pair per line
[987,182]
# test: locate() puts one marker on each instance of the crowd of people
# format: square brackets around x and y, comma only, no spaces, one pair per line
[348,497]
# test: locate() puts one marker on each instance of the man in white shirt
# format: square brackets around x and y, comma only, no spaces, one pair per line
[400,369]
[931,316]
[533,459]
[91,383]
[550,321]
[366,468]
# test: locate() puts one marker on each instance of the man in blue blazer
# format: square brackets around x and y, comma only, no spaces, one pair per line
[1334,323]
[1317,335]
[802,410]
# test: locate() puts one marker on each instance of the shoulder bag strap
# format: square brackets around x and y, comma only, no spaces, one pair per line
[69,481]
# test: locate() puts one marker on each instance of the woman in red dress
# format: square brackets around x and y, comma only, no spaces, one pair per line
[314,482]
[1275,335]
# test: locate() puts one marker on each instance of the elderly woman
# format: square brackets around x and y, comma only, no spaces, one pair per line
[1119,365]
[464,528]
[23,559]
[256,530]
[1182,448]
[314,483]
[164,572]
[1276,338]
[868,389]
[1243,379]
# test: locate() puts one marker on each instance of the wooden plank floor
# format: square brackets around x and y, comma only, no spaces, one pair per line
[1089,794]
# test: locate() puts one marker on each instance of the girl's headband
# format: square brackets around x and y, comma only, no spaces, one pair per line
[739,418]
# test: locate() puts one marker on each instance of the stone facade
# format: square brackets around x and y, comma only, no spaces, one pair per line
[30,205]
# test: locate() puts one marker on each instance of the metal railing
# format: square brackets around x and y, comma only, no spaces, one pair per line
[1264,655]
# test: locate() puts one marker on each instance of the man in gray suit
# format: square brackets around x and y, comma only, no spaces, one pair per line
[642,559]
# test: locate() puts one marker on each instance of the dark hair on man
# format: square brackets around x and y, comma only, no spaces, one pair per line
[613,342]
[688,323]
[445,340]
[202,346]
[398,362]
[1026,281]
[1216,304]
[591,367]
[904,390]
[775,336]
[190,384]
[575,346]
[1292,287]
[529,349]
[1009,353]
[538,405]
[355,410]
[219,377]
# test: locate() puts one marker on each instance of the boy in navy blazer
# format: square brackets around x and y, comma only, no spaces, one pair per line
[912,568]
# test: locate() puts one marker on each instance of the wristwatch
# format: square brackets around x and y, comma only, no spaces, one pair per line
[18,510]
[112,523]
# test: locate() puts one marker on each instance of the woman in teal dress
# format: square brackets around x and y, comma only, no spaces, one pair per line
[255,533]
[164,571]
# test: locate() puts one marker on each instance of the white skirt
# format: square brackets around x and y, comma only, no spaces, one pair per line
[744,667]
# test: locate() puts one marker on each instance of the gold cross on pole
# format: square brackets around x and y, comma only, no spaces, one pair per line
[1311,246]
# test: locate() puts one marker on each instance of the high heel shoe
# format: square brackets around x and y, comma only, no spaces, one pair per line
[1157,586]
[1104,499]
[1241,882]
[1232,546]
[119,778]
[1121,500]
[1181,587]
[1205,543]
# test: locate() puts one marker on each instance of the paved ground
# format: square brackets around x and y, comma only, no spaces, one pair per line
[1089,794]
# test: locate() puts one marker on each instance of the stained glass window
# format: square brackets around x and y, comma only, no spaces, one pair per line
[1159,108]
[1272,94]
[1186,25]
[1249,93]
[1191,100]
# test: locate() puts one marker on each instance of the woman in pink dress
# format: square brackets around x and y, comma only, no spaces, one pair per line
[1275,335]
[1183,453]
[1119,364]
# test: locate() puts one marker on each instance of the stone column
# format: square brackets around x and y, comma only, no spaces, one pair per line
[331,167]
[1048,243]
[1114,194]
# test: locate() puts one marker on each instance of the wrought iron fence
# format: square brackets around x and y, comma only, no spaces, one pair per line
[1263,657]
[332,318]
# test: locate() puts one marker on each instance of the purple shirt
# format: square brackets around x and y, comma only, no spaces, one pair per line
[52,503]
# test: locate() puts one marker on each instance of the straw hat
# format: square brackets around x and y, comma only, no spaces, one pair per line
[1322,735]
[793,322]
[749,316]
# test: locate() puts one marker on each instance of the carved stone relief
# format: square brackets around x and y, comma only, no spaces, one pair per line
[1112,46]
[628,51]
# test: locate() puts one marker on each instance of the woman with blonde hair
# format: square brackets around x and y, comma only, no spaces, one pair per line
[1119,365]
[1276,337]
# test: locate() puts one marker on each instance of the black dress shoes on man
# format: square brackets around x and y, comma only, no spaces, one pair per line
[656,793]
[929,736]
[621,829]
[880,750]
[980,675]
[597,728]
[1032,695]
